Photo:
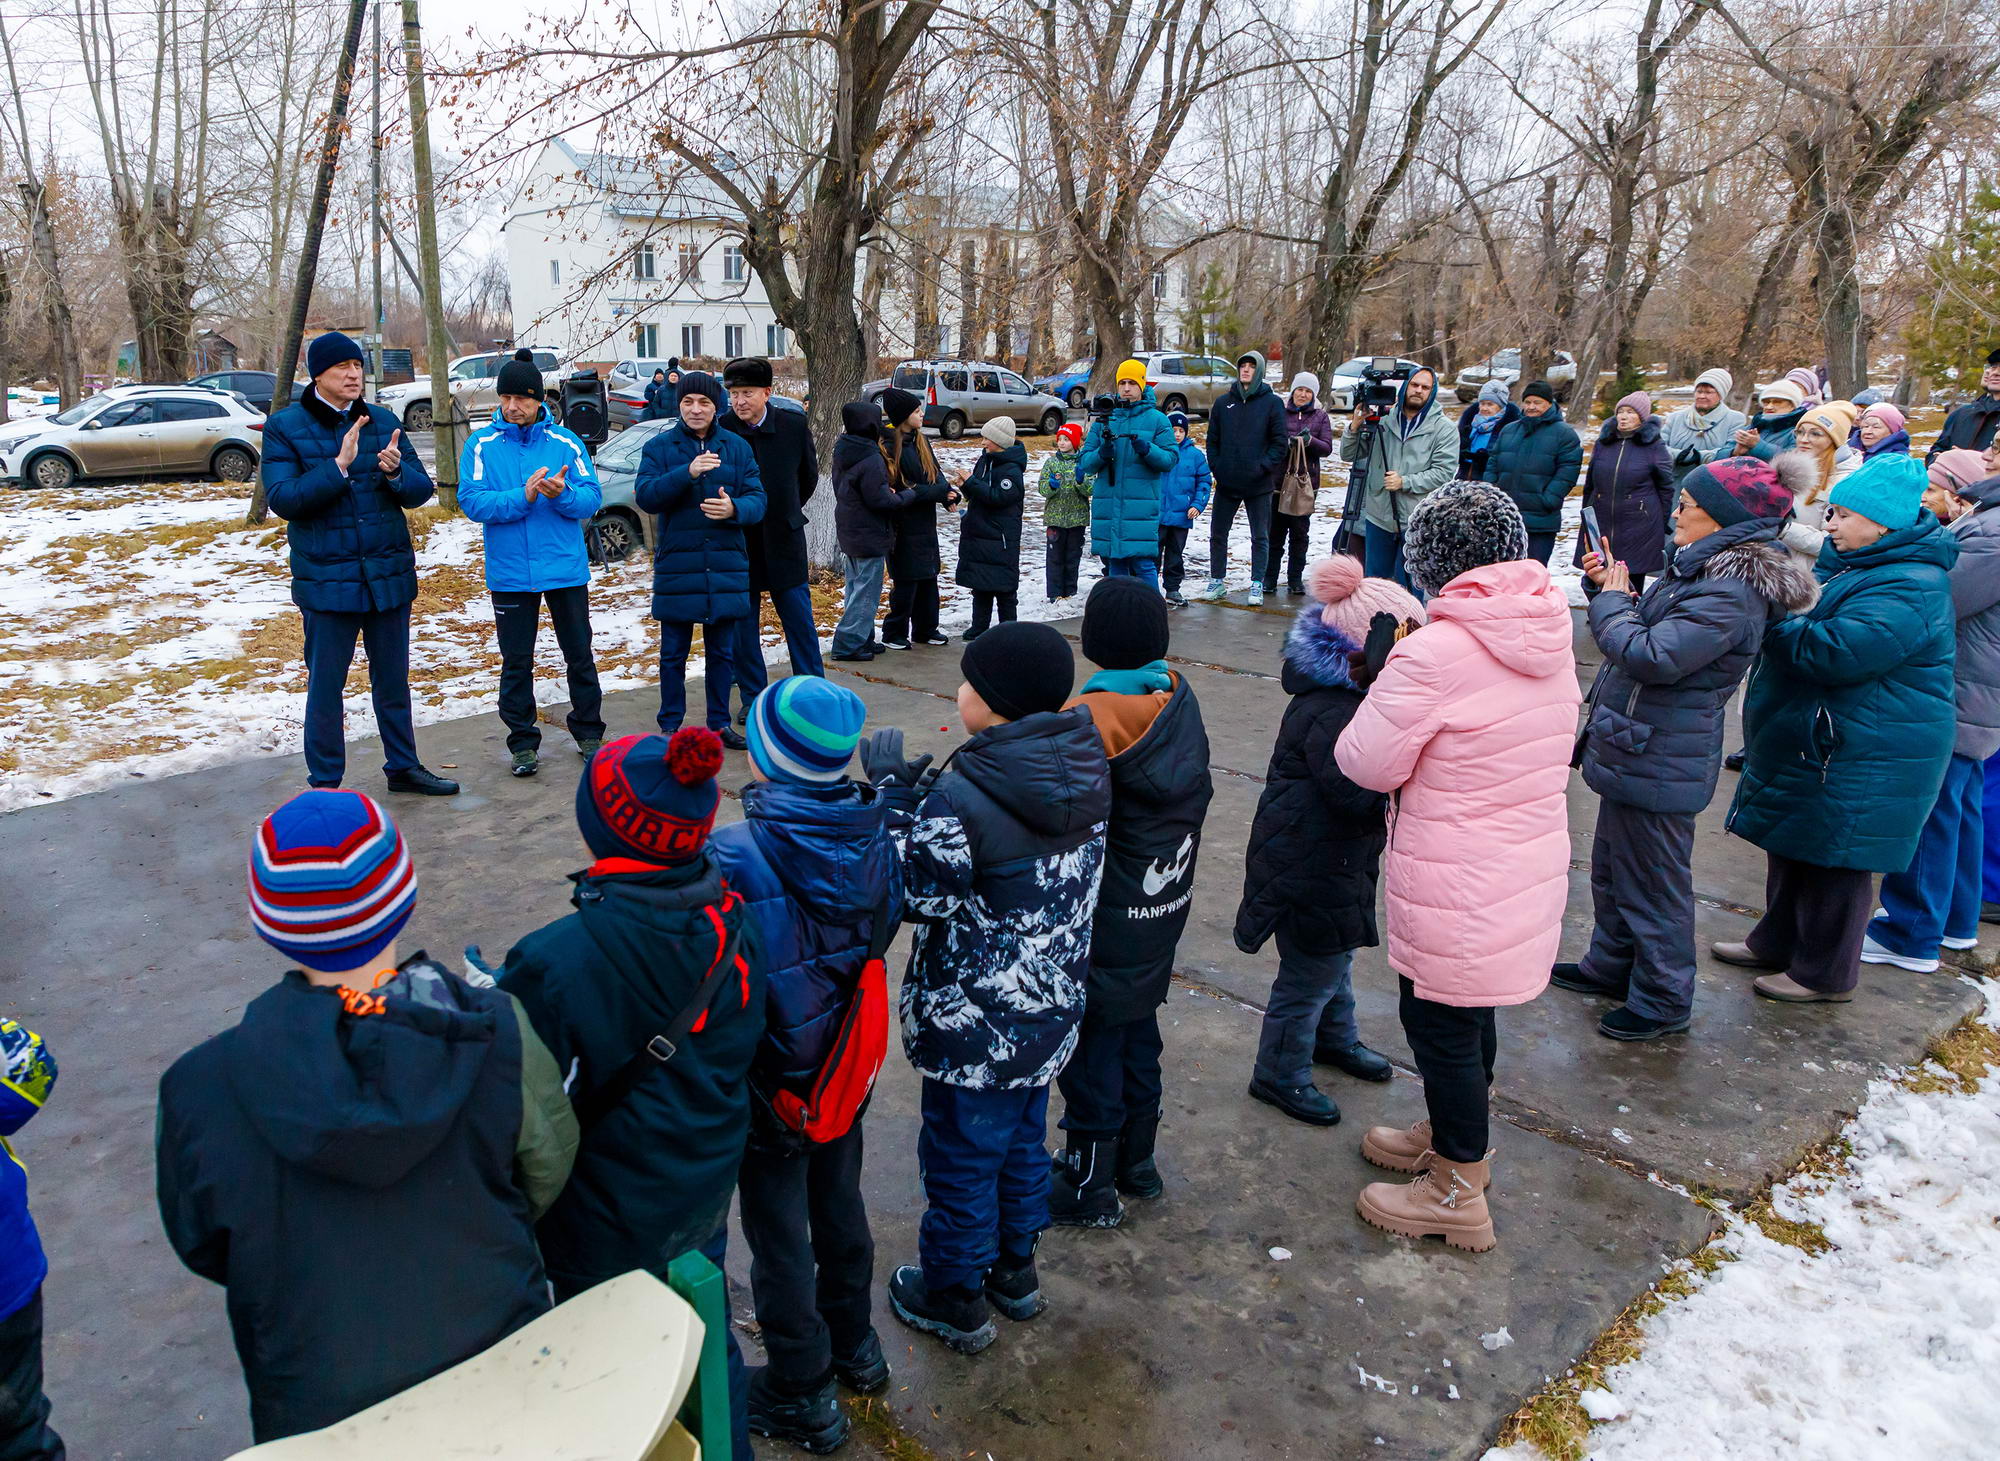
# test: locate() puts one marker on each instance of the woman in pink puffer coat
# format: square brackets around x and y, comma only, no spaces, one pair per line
[1470,725]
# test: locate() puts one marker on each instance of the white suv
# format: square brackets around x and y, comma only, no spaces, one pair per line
[472,380]
[136,431]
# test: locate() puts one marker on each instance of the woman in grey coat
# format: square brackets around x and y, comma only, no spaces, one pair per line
[1652,741]
[1705,430]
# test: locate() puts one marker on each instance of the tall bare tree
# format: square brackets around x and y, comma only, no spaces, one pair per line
[48,274]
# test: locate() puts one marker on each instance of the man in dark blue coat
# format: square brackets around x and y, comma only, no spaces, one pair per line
[1975,424]
[335,470]
[1246,446]
[703,484]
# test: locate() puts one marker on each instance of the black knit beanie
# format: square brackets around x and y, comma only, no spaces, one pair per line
[1020,668]
[1539,388]
[1124,624]
[1459,527]
[518,377]
[897,405]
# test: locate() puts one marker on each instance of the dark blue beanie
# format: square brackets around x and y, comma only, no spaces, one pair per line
[329,350]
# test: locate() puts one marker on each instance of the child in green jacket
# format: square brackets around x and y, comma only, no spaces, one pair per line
[1066,514]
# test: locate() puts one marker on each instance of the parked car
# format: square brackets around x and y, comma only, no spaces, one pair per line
[958,394]
[135,431]
[1346,379]
[626,387]
[472,378]
[258,387]
[1505,367]
[1183,382]
[1070,385]
[618,527]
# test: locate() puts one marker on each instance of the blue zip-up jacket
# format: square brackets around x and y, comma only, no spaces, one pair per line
[1128,456]
[27,1075]
[350,544]
[1185,485]
[531,546]
[817,870]
[701,567]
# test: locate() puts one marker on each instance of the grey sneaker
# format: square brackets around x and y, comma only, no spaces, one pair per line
[525,763]
[589,748]
[1256,594]
[1218,588]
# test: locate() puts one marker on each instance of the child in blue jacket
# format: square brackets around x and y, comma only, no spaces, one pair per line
[817,870]
[531,486]
[1183,498]
[27,1074]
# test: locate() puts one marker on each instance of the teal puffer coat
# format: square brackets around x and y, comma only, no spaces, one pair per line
[1849,719]
[1127,456]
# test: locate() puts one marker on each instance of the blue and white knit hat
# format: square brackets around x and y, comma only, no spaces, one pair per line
[330,879]
[803,729]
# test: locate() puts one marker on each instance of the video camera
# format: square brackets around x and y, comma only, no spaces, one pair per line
[1376,395]
[1102,406]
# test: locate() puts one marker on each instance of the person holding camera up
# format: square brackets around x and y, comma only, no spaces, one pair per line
[703,484]
[1247,442]
[1410,454]
[1131,446]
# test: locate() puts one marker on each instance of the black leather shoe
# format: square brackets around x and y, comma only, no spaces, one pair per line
[812,1418]
[732,738]
[1623,1024]
[1307,1103]
[860,656]
[1356,1060]
[1571,976]
[866,1370]
[419,782]
[1733,761]
[957,1316]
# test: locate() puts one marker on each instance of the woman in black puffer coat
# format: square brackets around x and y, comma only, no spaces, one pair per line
[989,535]
[1316,848]
[1631,484]
[914,561]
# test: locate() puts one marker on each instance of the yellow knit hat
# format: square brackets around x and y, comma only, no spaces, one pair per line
[1133,370]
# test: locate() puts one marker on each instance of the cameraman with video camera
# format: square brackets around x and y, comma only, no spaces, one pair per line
[1535,461]
[1131,446]
[1411,453]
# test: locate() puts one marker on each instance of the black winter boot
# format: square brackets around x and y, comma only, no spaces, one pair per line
[956,1316]
[1081,1190]
[1014,1288]
[812,1418]
[1137,1176]
[866,1369]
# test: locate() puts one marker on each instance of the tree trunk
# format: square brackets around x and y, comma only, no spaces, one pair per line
[6,340]
[445,415]
[55,297]
[1766,299]
[874,278]
[969,346]
[1843,323]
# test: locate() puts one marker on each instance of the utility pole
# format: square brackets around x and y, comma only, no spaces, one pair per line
[444,410]
[287,363]
[375,203]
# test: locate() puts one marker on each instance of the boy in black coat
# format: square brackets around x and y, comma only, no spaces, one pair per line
[1001,862]
[1316,845]
[1157,750]
[989,536]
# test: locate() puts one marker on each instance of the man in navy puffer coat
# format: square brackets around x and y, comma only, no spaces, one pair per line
[702,482]
[336,470]
[531,485]
[817,869]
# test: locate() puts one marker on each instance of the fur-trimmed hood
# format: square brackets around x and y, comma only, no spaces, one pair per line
[1316,652]
[1770,568]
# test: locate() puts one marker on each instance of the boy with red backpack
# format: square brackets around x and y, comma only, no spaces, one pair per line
[816,867]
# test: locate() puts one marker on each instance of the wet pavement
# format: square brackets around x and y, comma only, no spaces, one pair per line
[1179,1334]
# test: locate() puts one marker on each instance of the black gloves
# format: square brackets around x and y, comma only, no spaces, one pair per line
[883,763]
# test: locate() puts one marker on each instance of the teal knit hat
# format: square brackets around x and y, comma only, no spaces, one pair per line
[803,729]
[1888,489]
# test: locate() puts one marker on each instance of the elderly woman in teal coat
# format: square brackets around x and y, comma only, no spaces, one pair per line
[1848,724]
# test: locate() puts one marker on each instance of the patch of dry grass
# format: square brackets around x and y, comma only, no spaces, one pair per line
[1959,1060]
[875,1425]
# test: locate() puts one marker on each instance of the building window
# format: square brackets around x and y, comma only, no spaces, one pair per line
[642,262]
[733,271]
[732,340]
[1159,281]
[774,341]
[646,342]
[555,272]
[690,341]
[690,262]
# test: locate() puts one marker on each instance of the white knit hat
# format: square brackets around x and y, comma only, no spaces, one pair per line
[1721,379]
[1000,431]
[1786,389]
[1307,379]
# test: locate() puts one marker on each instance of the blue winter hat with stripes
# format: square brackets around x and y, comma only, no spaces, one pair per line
[803,729]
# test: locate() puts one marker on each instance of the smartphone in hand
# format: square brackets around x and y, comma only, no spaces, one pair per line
[1593,535]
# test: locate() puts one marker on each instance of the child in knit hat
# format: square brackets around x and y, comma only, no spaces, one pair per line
[1316,844]
[1183,498]
[989,534]
[1157,747]
[816,868]
[358,1097]
[1065,491]
[27,1076]
[652,1001]
[1001,858]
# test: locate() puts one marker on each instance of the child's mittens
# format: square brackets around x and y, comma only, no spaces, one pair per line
[27,1075]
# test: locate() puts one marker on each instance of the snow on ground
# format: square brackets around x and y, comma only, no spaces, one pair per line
[1884,1345]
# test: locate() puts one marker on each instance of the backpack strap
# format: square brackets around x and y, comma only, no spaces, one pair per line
[602,1100]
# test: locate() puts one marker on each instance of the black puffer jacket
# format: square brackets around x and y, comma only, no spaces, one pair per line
[1160,790]
[788,466]
[1631,485]
[1316,841]
[989,535]
[915,554]
[1672,659]
[654,1175]
[866,508]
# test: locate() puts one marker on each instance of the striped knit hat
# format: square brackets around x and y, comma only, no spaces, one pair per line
[803,730]
[330,879]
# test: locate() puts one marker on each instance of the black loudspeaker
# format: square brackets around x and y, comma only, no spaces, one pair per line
[585,411]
